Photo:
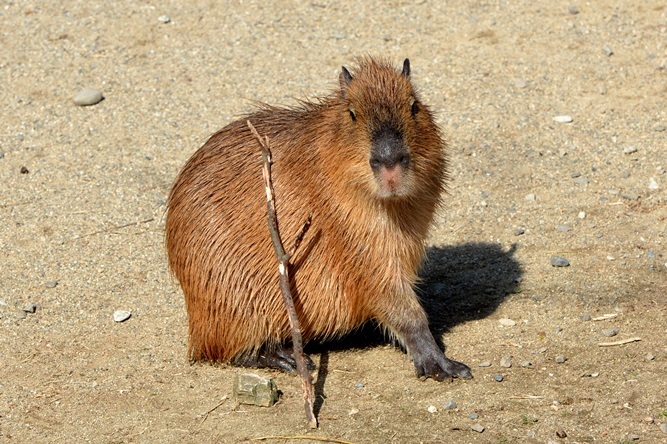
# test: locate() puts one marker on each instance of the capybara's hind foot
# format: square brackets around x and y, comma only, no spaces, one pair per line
[279,359]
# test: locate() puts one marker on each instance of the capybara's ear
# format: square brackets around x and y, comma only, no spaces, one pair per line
[406,68]
[344,78]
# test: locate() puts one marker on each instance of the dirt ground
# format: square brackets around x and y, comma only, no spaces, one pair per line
[81,228]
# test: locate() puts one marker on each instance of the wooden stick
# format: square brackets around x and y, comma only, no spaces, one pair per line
[283,268]
[621,342]
[311,438]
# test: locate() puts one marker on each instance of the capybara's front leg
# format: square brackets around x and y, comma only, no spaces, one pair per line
[407,320]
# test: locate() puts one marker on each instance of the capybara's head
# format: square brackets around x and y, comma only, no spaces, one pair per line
[395,147]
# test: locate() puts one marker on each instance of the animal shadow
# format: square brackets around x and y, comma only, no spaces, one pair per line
[466,282]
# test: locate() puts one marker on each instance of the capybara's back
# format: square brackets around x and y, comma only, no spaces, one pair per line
[368,164]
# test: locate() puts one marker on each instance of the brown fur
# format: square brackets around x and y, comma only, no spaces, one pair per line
[359,259]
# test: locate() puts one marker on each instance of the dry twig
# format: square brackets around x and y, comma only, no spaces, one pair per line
[224,398]
[312,438]
[283,267]
[621,342]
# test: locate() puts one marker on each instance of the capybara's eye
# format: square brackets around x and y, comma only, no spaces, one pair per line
[353,116]
[414,108]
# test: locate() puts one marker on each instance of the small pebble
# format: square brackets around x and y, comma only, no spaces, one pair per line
[573,10]
[659,128]
[121,315]
[650,254]
[610,332]
[630,196]
[563,228]
[473,415]
[558,261]
[607,51]
[519,231]
[581,180]
[24,170]
[563,119]
[449,405]
[584,318]
[581,215]
[505,322]
[3,303]
[164,19]
[432,409]
[88,96]
[633,437]
[648,419]
[663,428]
[506,361]
[520,83]
[652,184]
[484,364]
[630,150]
[561,434]
[530,197]
[650,356]
[525,363]
[30,308]
[51,284]
[477,428]
[498,377]
[353,411]
[359,385]
[560,359]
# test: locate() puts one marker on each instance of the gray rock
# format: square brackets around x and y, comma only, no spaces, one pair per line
[581,180]
[563,228]
[473,415]
[659,128]
[525,363]
[519,231]
[51,284]
[630,150]
[607,51]
[477,428]
[573,10]
[630,196]
[560,359]
[121,315]
[250,388]
[506,361]
[484,364]
[558,261]
[609,332]
[359,385]
[88,96]
[164,19]
[663,428]
[498,377]
[649,356]
[633,437]
[585,318]
[450,404]
[31,308]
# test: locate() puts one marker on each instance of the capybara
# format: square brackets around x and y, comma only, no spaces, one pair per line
[368,164]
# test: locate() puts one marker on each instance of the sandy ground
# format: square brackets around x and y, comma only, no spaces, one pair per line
[81,229]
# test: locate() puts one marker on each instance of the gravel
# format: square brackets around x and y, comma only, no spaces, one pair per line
[558,261]
[88,97]
[450,404]
[121,315]
[560,359]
